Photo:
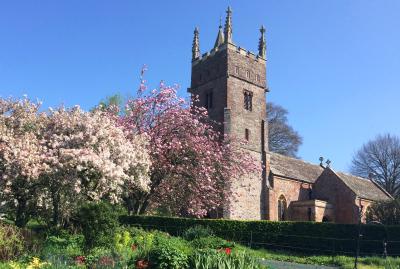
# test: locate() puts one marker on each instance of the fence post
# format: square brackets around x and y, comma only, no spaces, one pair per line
[333,250]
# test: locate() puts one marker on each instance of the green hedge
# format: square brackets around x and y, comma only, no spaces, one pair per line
[298,236]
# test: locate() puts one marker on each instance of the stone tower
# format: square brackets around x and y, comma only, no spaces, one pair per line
[231,83]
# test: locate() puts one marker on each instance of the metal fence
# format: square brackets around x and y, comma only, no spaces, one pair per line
[307,244]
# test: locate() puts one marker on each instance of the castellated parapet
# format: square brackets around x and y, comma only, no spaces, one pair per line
[233,47]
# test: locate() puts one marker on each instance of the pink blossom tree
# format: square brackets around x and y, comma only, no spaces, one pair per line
[91,158]
[21,156]
[192,164]
[50,162]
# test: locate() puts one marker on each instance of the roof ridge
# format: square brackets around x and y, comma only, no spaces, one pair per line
[296,159]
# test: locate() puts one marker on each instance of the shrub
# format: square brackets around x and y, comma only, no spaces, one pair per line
[63,245]
[211,242]
[169,253]
[99,222]
[11,242]
[196,232]
[307,236]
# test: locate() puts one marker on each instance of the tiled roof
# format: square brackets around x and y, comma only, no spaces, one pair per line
[294,168]
[300,170]
[363,188]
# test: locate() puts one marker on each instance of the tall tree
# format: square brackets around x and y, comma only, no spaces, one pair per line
[282,138]
[21,156]
[191,167]
[91,158]
[50,162]
[380,158]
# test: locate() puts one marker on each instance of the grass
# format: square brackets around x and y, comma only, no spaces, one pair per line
[344,262]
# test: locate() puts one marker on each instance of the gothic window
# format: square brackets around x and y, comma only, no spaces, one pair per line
[247,134]
[326,219]
[248,100]
[237,70]
[282,208]
[248,74]
[369,215]
[209,100]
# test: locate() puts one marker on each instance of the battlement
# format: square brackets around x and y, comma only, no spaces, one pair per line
[229,46]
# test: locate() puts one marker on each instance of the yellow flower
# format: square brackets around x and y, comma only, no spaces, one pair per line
[36,264]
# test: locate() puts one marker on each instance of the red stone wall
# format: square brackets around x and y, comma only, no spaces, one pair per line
[330,188]
[319,210]
[292,190]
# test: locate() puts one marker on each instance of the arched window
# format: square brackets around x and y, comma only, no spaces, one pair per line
[369,215]
[326,219]
[282,208]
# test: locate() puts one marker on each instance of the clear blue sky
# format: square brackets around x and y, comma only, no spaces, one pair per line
[334,64]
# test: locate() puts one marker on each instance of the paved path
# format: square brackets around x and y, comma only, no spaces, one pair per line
[290,265]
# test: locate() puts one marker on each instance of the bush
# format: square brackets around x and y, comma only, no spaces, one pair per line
[197,231]
[99,222]
[307,236]
[63,245]
[169,253]
[211,242]
[11,242]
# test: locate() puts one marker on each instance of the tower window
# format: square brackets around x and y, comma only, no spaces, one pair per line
[248,100]
[248,74]
[247,134]
[209,100]
[258,78]
[237,70]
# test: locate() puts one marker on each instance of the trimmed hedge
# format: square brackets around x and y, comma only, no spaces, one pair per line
[298,236]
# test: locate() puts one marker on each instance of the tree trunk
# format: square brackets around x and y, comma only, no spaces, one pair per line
[55,195]
[22,216]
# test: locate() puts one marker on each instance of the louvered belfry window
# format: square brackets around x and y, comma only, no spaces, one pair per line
[248,100]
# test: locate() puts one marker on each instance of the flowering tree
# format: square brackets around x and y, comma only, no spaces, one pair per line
[191,164]
[49,162]
[91,158]
[21,156]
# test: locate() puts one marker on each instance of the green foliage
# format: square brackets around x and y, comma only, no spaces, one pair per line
[122,240]
[99,222]
[196,232]
[11,242]
[170,253]
[64,244]
[212,259]
[306,236]
[211,242]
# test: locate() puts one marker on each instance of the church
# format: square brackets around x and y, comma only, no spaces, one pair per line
[231,83]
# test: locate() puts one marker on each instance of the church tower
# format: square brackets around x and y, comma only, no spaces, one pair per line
[231,83]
